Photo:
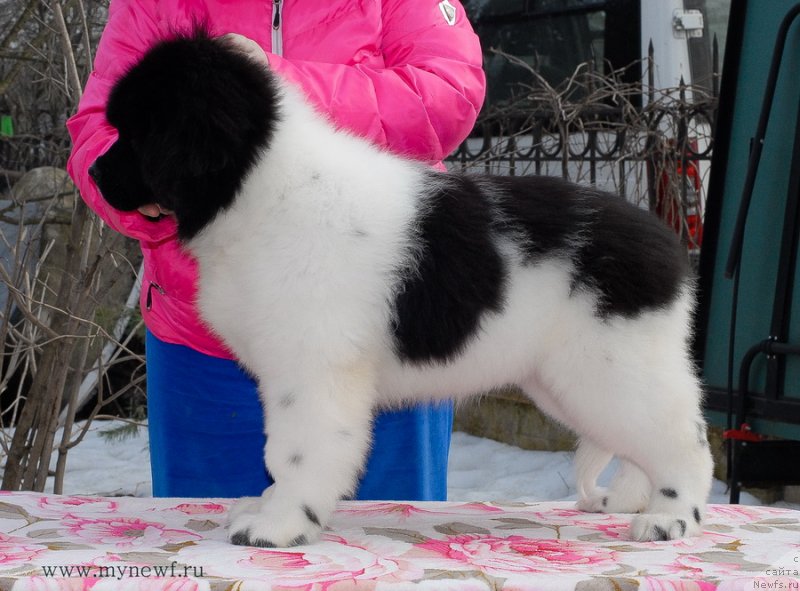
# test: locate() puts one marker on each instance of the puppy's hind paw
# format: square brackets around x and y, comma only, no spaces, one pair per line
[611,501]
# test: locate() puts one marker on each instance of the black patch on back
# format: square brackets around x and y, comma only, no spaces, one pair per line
[670,493]
[543,212]
[632,260]
[459,274]
[621,253]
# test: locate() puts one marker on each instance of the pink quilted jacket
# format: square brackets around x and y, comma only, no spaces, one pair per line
[394,71]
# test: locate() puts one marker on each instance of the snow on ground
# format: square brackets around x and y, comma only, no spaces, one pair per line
[480,470]
[108,467]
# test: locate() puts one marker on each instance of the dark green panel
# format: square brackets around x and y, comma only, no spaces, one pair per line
[747,64]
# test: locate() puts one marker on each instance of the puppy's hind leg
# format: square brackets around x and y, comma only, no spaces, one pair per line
[660,429]
[635,395]
[590,461]
[629,490]
[681,475]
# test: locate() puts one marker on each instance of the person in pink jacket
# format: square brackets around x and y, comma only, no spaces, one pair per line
[407,75]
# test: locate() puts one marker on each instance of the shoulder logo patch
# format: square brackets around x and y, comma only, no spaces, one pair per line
[448,11]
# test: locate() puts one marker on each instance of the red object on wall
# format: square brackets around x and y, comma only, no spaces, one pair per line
[687,221]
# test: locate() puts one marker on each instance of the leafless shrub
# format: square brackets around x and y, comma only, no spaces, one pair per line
[653,146]
[66,276]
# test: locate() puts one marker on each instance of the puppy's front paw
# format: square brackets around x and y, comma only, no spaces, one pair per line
[268,523]
[655,527]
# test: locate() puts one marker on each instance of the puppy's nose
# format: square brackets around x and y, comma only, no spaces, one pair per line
[94,172]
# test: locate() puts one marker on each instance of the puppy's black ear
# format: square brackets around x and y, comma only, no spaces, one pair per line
[228,102]
[191,145]
[209,135]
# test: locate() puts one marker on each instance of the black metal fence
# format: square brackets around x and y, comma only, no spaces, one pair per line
[593,130]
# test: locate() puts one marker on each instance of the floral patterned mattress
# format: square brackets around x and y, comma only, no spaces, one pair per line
[52,542]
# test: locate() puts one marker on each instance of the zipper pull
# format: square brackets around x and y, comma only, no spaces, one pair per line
[149,299]
[277,34]
[276,14]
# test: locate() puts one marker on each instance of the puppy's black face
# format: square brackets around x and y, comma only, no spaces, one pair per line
[193,116]
[119,177]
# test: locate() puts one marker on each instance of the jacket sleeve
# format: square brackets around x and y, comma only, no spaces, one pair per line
[425,100]
[131,29]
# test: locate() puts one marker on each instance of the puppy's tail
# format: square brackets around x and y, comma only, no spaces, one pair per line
[590,461]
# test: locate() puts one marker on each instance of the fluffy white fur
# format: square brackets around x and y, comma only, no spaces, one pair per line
[298,276]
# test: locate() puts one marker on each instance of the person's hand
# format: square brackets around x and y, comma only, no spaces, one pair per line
[247,46]
[153,210]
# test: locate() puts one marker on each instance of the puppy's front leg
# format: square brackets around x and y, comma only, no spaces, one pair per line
[318,434]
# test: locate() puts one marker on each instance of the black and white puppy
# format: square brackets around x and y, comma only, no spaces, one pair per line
[346,278]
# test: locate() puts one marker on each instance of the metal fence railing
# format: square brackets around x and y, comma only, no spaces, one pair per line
[594,130]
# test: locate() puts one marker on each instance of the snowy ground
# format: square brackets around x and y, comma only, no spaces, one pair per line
[480,469]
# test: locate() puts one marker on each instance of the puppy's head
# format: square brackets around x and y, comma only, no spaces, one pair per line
[193,115]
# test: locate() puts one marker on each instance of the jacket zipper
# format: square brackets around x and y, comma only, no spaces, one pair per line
[149,298]
[277,33]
